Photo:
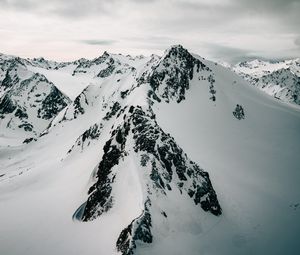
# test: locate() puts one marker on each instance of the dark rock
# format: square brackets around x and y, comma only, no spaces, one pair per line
[29,140]
[239,112]
[167,156]
[92,133]
[26,126]
[21,114]
[175,70]
[138,230]
[6,106]
[52,104]
[108,70]
[124,93]
[100,199]
[164,214]
[114,109]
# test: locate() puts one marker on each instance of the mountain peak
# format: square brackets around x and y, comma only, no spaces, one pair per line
[105,54]
[175,50]
[171,77]
[41,59]
[101,58]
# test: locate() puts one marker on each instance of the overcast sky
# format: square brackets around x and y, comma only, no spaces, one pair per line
[229,30]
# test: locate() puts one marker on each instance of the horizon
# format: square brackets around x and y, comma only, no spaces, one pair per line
[72,59]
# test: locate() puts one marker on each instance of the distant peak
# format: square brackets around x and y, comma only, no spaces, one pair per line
[105,54]
[251,63]
[39,59]
[81,60]
[103,57]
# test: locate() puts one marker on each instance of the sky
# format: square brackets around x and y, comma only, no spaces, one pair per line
[223,30]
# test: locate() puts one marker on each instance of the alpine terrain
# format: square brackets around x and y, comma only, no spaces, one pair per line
[279,79]
[170,154]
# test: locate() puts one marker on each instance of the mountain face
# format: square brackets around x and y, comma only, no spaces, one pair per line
[12,70]
[171,77]
[278,79]
[144,155]
[29,101]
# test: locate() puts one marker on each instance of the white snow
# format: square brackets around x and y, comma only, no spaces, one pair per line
[64,81]
[252,163]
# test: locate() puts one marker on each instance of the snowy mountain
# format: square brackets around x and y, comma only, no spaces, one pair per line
[279,79]
[29,101]
[145,155]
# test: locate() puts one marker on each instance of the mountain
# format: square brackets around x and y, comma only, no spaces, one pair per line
[168,154]
[29,101]
[279,79]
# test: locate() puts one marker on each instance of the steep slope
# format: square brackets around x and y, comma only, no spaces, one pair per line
[12,70]
[252,162]
[278,79]
[29,102]
[171,77]
[118,170]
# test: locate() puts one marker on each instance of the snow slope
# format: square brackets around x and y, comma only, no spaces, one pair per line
[119,170]
[252,162]
[64,81]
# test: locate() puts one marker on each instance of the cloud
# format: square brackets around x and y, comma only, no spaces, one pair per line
[297,41]
[234,55]
[284,13]
[228,29]
[268,6]
[229,54]
[71,9]
[61,8]
[98,42]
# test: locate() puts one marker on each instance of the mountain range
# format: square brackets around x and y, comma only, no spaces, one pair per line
[280,79]
[171,154]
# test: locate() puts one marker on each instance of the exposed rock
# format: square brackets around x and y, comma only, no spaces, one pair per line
[167,156]
[113,111]
[239,112]
[29,140]
[168,162]
[108,70]
[92,133]
[212,89]
[26,126]
[52,104]
[171,77]
[100,199]
[6,106]
[78,106]
[138,230]
[21,114]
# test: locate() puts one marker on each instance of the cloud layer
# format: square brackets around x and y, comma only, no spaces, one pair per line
[230,30]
